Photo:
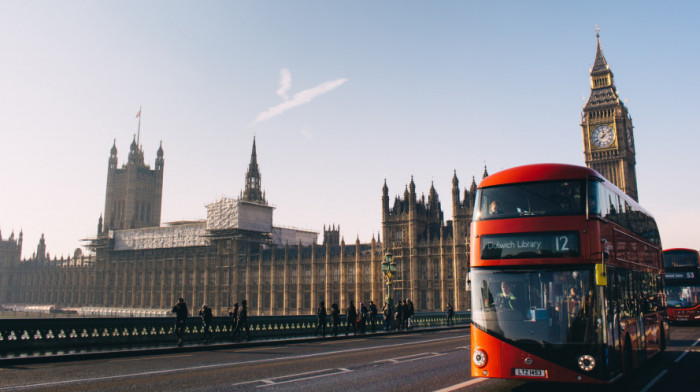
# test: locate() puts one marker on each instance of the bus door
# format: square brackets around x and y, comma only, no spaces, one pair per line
[612,303]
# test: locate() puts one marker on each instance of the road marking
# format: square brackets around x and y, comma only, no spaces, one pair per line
[305,376]
[686,352]
[219,365]
[153,357]
[652,382]
[409,358]
[462,385]
[464,347]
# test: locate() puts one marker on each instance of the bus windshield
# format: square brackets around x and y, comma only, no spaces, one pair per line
[543,306]
[680,258]
[683,296]
[531,199]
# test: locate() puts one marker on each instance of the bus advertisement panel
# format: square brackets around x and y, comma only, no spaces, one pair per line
[682,284]
[566,277]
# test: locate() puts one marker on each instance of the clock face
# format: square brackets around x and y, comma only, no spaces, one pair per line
[603,136]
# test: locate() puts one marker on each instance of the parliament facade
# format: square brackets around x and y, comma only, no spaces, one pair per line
[236,253]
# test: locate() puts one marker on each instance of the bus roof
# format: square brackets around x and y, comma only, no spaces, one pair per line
[681,249]
[538,172]
[551,172]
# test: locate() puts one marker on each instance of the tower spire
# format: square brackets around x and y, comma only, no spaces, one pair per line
[253,191]
[600,64]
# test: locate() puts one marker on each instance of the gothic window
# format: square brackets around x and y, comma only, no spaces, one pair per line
[293,276]
[279,301]
[279,275]
[292,299]
[351,274]
[336,274]
[307,274]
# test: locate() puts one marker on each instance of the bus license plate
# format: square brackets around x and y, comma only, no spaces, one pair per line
[530,372]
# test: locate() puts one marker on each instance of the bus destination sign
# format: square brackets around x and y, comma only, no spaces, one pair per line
[680,275]
[530,245]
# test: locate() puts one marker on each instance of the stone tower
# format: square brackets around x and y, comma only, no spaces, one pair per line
[608,140]
[134,191]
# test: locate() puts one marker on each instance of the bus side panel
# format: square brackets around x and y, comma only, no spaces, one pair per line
[629,328]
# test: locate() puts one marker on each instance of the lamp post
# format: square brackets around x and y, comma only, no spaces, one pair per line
[389,269]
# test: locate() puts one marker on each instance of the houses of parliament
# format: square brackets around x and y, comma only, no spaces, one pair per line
[237,253]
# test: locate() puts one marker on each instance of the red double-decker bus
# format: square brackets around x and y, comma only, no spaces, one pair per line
[566,278]
[682,284]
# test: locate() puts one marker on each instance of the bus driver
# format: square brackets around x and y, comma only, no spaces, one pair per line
[495,208]
[506,298]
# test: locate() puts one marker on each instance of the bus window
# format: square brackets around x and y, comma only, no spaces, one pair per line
[530,199]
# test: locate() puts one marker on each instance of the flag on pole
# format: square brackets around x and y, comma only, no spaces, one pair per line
[139,113]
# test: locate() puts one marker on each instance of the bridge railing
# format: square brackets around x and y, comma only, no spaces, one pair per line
[37,336]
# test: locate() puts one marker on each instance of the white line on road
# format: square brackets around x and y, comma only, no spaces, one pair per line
[686,352]
[409,358]
[462,385]
[326,373]
[151,357]
[652,382]
[218,365]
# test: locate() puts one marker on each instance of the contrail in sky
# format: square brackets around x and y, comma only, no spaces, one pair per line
[297,99]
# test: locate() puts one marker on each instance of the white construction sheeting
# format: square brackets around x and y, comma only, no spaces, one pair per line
[227,213]
[161,237]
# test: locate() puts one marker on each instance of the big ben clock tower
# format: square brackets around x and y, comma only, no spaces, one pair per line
[608,141]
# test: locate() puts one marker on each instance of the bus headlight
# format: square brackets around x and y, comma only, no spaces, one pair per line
[586,363]
[479,357]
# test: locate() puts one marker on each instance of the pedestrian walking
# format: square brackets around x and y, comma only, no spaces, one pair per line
[180,310]
[206,315]
[409,314]
[234,317]
[398,315]
[351,314]
[321,319]
[450,313]
[242,322]
[335,318]
[388,316]
[362,318]
[372,315]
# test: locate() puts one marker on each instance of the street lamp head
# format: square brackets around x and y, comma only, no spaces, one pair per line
[386,264]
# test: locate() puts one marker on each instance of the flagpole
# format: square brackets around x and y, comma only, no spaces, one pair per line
[138,138]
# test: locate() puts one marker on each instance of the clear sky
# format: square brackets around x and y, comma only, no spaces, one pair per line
[339,95]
